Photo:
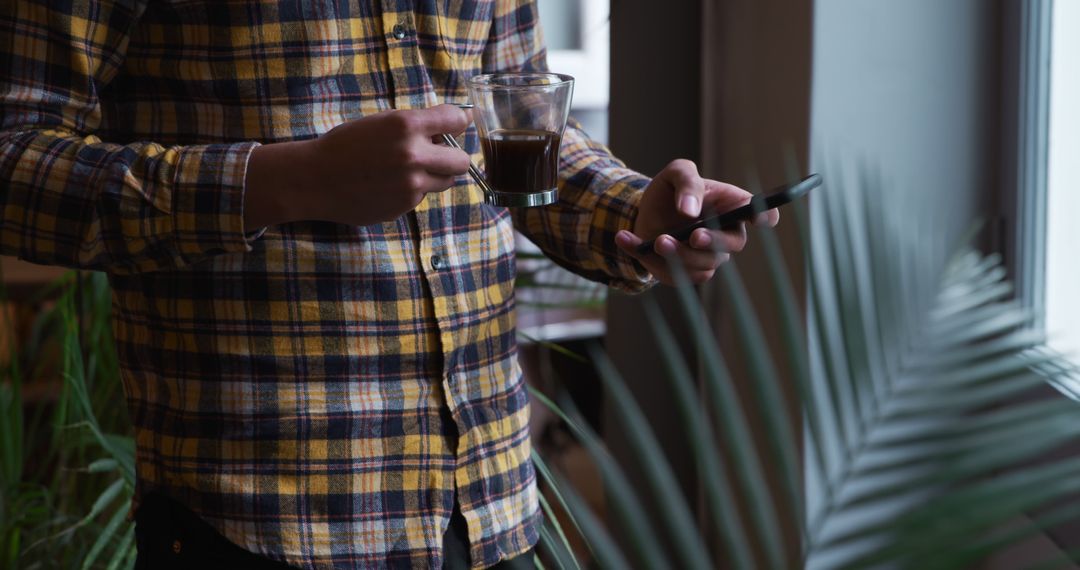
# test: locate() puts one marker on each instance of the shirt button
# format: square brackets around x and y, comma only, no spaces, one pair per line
[437,262]
[399,32]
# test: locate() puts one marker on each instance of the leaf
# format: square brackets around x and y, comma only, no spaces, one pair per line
[555,347]
[103,500]
[563,548]
[624,501]
[11,438]
[562,557]
[608,554]
[924,474]
[542,467]
[124,557]
[103,465]
[711,467]
[795,347]
[766,385]
[934,530]
[107,496]
[122,449]
[677,518]
[826,337]
[969,554]
[104,538]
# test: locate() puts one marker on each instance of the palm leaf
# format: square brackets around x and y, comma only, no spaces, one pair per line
[564,560]
[676,517]
[561,549]
[545,472]
[710,461]
[627,504]
[940,425]
[915,373]
[608,554]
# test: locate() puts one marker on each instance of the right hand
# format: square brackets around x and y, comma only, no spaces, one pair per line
[362,172]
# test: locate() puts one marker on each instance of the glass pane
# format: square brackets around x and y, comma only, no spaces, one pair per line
[1063,194]
[561,21]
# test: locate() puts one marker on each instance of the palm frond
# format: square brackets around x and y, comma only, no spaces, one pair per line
[915,372]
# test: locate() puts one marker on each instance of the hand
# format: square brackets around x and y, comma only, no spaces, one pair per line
[675,198]
[362,172]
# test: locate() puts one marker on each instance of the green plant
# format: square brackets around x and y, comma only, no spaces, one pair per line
[67,470]
[914,374]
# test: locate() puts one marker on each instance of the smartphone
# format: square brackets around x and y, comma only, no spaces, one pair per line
[778,197]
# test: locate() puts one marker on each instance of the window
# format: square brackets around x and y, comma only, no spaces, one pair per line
[1063,182]
[578,41]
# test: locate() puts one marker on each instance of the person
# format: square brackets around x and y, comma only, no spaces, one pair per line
[313,307]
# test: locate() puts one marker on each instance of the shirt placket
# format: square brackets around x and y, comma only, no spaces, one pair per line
[399,29]
[409,87]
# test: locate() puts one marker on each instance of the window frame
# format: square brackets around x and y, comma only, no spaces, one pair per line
[1027,100]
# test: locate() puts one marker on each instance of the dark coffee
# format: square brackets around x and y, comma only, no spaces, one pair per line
[521,160]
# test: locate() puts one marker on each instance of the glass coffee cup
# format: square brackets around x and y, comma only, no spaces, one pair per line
[521,118]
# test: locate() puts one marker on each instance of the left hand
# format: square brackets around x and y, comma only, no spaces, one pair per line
[675,198]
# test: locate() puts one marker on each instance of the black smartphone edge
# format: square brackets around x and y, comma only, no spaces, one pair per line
[759,203]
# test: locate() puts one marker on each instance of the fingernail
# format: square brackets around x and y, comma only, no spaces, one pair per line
[690,206]
[622,238]
[704,239]
[665,245]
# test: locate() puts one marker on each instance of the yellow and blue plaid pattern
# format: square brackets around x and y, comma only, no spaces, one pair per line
[320,393]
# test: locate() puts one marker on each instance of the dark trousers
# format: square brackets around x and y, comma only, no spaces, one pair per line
[171,537]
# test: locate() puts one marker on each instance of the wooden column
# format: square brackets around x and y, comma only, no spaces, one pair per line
[725,83]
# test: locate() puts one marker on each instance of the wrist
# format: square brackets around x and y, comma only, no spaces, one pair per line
[277,175]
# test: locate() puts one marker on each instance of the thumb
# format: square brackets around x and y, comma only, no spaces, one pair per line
[688,186]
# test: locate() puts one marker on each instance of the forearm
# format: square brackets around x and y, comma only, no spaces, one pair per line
[75,201]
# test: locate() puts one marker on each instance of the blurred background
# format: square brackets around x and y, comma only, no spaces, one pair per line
[971,107]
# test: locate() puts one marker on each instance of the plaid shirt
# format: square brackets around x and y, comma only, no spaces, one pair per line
[319,393]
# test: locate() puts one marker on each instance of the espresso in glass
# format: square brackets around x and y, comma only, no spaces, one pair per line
[521,160]
[521,118]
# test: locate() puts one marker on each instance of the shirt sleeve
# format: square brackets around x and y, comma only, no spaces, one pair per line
[598,194]
[71,199]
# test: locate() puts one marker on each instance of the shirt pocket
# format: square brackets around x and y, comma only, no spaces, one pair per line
[464,26]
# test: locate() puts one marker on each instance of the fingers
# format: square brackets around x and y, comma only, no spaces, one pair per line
[419,183]
[442,160]
[442,183]
[768,218]
[436,120]
[687,186]
[693,259]
[728,241]
[721,197]
[629,243]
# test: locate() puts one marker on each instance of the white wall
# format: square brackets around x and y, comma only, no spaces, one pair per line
[909,87]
